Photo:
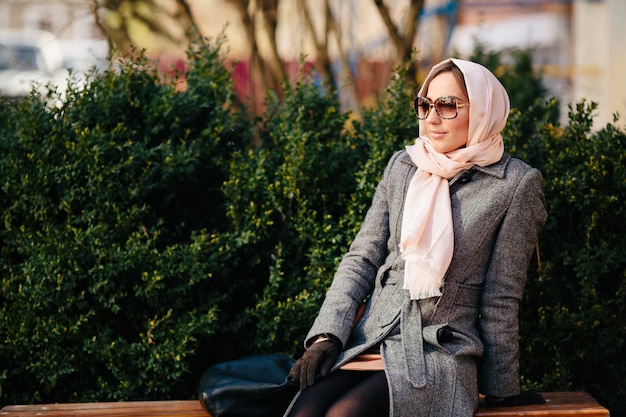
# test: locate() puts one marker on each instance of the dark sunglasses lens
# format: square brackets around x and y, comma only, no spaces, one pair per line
[446,107]
[422,106]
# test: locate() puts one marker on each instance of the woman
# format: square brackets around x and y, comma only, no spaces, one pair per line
[440,263]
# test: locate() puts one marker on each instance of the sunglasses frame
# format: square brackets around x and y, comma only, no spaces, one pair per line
[432,104]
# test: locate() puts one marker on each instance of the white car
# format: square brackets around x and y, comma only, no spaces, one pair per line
[30,58]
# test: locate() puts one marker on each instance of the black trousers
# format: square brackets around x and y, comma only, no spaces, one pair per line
[345,394]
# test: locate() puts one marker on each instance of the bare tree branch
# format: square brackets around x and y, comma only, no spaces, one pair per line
[392,30]
[403,42]
[415,8]
[256,62]
[269,9]
[190,23]
[334,27]
[323,59]
[174,27]
[173,21]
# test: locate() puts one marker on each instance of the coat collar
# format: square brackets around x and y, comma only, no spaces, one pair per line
[496,170]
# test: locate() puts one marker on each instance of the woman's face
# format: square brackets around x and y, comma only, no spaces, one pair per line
[447,134]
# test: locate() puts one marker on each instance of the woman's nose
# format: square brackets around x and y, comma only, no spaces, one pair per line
[433,117]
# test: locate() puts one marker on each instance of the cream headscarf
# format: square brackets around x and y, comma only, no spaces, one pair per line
[427,237]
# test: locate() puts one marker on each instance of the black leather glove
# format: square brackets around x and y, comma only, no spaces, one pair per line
[526,397]
[318,360]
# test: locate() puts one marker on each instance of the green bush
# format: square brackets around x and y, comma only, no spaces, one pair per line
[144,237]
[573,333]
[299,200]
[514,69]
[108,269]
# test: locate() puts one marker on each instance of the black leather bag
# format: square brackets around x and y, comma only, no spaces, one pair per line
[254,386]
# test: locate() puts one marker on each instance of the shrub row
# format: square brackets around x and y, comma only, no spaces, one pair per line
[144,236]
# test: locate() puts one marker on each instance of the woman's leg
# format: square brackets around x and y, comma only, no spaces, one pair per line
[370,398]
[345,393]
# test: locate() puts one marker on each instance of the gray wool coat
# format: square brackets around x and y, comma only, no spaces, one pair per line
[440,352]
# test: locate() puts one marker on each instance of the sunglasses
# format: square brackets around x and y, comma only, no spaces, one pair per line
[446,107]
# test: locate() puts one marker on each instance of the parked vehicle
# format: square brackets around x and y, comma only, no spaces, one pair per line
[30,59]
[83,55]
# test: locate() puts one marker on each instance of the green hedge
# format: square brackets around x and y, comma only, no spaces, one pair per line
[110,254]
[573,333]
[144,237]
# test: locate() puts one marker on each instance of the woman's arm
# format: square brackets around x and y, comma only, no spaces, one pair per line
[504,287]
[355,276]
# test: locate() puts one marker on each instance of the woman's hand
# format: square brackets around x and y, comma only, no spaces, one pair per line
[321,356]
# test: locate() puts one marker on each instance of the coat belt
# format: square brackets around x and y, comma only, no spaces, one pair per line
[413,342]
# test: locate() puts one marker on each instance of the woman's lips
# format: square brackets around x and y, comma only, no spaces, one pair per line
[435,134]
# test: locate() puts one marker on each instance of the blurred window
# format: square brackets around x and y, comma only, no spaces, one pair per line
[18,57]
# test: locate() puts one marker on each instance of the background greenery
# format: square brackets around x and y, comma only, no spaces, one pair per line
[144,237]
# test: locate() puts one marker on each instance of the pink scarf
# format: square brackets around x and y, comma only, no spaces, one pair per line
[427,236]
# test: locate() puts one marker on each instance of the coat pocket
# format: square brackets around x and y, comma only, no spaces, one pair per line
[468,295]
[438,335]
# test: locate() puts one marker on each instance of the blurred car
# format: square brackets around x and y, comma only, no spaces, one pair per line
[81,56]
[30,58]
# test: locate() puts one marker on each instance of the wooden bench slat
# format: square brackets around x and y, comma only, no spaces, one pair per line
[185,408]
[558,404]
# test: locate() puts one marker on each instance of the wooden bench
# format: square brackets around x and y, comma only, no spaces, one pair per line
[558,404]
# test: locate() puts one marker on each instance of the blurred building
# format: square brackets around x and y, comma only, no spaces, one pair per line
[71,21]
[580,45]
[67,19]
